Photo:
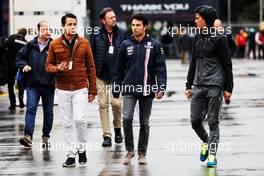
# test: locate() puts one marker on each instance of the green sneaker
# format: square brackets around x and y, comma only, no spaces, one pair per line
[204,152]
[212,161]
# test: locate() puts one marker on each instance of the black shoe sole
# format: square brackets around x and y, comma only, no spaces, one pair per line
[25,142]
[72,165]
[45,146]
[106,145]
[142,163]
[212,166]
[82,163]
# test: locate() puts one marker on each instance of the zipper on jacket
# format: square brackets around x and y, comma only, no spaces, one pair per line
[138,46]
[199,60]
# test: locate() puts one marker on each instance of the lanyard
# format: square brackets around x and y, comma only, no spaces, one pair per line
[70,45]
[110,37]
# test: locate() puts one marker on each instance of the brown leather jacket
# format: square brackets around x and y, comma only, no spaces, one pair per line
[83,70]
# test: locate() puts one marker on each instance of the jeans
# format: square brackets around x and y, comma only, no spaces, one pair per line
[47,97]
[145,106]
[11,92]
[207,100]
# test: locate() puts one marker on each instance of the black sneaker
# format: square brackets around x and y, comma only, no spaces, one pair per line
[70,162]
[107,142]
[118,136]
[82,158]
[12,107]
[21,105]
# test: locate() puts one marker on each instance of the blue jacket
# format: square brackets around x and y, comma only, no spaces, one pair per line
[141,68]
[105,63]
[31,55]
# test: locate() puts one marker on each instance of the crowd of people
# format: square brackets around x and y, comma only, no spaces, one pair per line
[243,42]
[120,70]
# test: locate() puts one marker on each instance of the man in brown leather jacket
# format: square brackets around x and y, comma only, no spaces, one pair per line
[70,59]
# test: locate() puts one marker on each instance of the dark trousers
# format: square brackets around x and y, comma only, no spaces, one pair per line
[241,51]
[145,106]
[253,49]
[261,51]
[207,100]
[11,92]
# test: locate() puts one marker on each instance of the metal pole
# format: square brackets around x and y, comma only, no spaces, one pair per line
[229,12]
[11,17]
[260,10]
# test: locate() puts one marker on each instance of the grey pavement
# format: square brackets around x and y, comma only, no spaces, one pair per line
[173,146]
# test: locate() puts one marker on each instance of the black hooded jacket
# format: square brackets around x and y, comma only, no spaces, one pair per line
[12,45]
[211,64]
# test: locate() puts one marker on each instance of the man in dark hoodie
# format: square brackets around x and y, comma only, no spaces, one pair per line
[12,45]
[31,60]
[209,78]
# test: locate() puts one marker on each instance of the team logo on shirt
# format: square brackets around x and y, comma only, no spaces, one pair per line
[161,50]
[130,50]
[148,45]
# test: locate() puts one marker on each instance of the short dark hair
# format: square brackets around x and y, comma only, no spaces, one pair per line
[22,31]
[68,15]
[208,13]
[140,17]
[104,12]
[38,25]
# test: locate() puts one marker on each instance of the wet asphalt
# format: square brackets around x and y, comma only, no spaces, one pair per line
[173,146]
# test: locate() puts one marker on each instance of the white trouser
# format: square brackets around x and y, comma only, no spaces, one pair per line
[73,109]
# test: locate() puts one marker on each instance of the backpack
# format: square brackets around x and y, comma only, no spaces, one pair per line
[242,40]
[261,37]
[21,76]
